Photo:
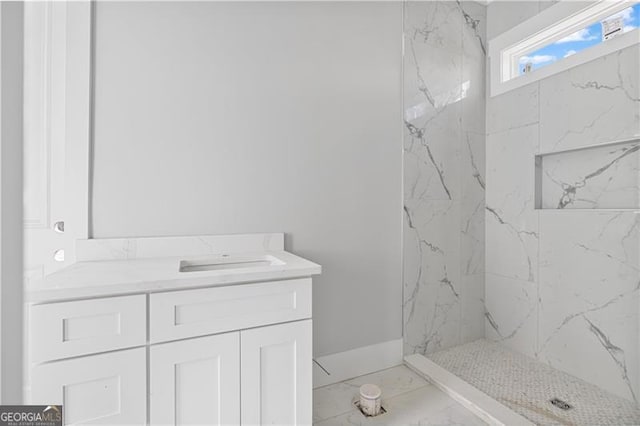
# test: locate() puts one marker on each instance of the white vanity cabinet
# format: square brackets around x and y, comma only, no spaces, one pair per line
[81,357]
[226,355]
[107,389]
[196,381]
[276,370]
[260,376]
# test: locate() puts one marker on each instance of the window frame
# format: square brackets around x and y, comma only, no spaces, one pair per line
[549,26]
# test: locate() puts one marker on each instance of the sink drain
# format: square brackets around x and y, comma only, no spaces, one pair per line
[563,405]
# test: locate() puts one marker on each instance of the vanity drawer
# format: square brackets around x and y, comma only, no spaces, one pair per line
[67,329]
[180,314]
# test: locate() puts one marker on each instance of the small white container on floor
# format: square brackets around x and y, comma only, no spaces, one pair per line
[370,400]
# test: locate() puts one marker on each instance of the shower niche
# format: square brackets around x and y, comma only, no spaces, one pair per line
[597,177]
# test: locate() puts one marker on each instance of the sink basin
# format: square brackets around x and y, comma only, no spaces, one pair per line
[229,262]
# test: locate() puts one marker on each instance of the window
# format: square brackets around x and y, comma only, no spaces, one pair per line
[616,24]
[561,37]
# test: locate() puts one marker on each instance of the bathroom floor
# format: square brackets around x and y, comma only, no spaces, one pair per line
[407,398]
[527,386]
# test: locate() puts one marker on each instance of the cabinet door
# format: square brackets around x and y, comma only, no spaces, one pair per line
[196,382]
[98,389]
[276,374]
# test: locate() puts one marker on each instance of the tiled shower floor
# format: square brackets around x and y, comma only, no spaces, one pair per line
[526,386]
[407,397]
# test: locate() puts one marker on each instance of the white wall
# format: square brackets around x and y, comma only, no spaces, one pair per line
[214,118]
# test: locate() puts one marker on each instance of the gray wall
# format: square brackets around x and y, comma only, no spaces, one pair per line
[217,118]
[11,51]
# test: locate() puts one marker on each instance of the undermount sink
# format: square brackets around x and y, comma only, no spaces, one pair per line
[229,262]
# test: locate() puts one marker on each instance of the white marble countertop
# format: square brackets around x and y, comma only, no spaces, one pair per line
[99,278]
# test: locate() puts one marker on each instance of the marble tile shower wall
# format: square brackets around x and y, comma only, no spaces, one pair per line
[563,285]
[444,158]
[600,177]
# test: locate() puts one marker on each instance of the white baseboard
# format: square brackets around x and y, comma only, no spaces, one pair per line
[341,366]
[479,403]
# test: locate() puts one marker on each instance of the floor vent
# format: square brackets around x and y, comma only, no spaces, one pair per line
[561,404]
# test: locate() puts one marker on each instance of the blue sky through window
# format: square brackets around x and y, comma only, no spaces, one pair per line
[578,41]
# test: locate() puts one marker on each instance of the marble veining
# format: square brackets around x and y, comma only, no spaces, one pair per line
[617,354]
[562,273]
[600,177]
[560,281]
[511,221]
[477,175]
[444,173]
[608,95]
[474,24]
[589,297]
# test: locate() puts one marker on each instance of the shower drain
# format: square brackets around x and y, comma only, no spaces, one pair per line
[561,404]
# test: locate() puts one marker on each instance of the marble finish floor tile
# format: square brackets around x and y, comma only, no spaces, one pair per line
[332,400]
[526,386]
[408,399]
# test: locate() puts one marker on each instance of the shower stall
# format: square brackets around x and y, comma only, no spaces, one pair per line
[521,238]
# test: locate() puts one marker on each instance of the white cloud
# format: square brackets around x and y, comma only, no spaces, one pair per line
[582,35]
[626,15]
[537,59]
[569,53]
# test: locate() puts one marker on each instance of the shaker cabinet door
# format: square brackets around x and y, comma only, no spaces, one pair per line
[107,389]
[196,382]
[276,374]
